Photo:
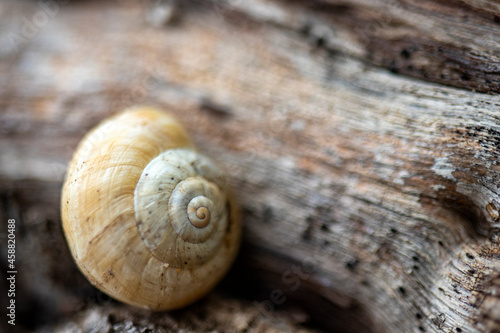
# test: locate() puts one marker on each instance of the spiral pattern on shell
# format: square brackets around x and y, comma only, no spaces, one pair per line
[148,219]
[180,209]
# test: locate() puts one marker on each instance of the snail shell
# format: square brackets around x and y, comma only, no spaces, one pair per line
[148,219]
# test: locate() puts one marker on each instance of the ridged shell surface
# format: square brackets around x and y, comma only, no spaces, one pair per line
[148,219]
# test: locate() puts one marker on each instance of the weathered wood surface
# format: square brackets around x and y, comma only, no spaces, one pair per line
[368,178]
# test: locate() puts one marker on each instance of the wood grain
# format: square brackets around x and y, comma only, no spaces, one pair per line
[369,187]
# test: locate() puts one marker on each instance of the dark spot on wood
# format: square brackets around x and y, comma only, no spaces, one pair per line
[150,212]
[496,19]
[267,213]
[320,42]
[88,218]
[465,77]
[393,67]
[418,316]
[172,178]
[442,76]
[458,329]
[394,231]
[405,54]
[471,271]
[415,267]
[402,291]
[441,243]
[306,29]
[112,319]
[146,174]
[415,258]
[325,228]
[160,189]
[307,234]
[421,329]
[351,264]
[215,109]
[470,256]
[185,262]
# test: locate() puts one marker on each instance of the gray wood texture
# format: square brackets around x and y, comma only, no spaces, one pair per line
[361,138]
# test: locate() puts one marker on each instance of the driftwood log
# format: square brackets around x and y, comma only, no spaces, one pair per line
[362,138]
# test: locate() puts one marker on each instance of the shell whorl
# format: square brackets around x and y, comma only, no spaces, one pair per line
[180,208]
[148,219]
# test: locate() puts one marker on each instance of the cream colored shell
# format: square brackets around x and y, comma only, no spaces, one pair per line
[148,219]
